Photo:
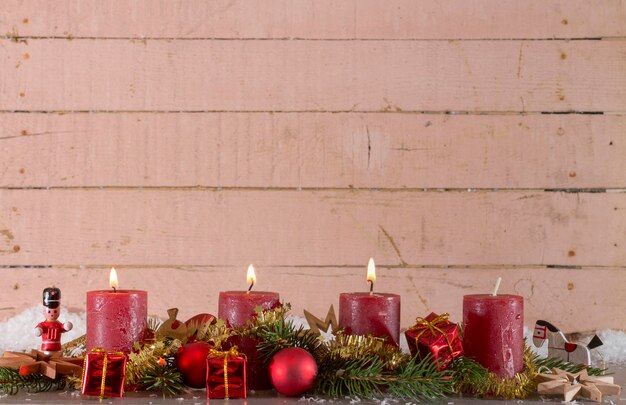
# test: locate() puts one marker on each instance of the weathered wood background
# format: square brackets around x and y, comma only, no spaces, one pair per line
[454,142]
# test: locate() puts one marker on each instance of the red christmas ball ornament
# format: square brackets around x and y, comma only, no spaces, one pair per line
[191,362]
[293,371]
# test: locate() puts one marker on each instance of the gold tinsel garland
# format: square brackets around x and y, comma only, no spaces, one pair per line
[355,347]
[146,356]
[487,384]
[470,377]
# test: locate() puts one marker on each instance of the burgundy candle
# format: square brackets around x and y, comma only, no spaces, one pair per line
[493,332]
[371,313]
[116,319]
[237,308]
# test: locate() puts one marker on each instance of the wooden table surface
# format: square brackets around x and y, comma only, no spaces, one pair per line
[271,398]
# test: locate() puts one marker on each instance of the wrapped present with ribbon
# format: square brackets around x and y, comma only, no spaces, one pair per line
[103,373]
[437,336]
[226,374]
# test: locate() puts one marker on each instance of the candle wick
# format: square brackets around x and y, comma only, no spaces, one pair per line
[495,290]
[371,286]
[250,288]
[114,289]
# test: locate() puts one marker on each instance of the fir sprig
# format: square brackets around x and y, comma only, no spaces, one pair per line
[548,363]
[469,376]
[420,380]
[263,318]
[474,379]
[417,380]
[11,382]
[162,377]
[144,359]
[355,378]
[282,334]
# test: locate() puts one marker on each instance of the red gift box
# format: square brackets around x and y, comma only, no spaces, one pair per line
[226,375]
[103,373]
[437,336]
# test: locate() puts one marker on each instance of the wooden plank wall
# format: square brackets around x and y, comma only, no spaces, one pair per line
[454,142]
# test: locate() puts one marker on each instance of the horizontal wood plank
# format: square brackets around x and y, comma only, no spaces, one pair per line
[205,75]
[331,228]
[553,294]
[312,150]
[320,19]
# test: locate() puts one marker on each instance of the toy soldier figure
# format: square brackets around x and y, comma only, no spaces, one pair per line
[51,329]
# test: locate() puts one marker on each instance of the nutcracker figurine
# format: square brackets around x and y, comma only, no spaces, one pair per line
[50,330]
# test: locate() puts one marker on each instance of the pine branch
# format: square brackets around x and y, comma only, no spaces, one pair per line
[548,363]
[282,334]
[473,379]
[11,382]
[420,381]
[354,378]
[165,378]
[367,378]
[469,376]
[145,358]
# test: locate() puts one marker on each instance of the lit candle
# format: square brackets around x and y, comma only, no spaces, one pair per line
[116,319]
[493,331]
[237,307]
[370,313]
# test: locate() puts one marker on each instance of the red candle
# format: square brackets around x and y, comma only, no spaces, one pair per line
[237,307]
[116,319]
[493,332]
[371,313]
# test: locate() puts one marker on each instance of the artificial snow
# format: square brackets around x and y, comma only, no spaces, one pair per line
[614,348]
[19,331]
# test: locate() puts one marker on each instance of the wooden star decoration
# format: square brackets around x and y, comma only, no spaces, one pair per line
[574,385]
[50,365]
[318,326]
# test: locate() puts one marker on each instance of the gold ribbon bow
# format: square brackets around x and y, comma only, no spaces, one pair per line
[422,326]
[104,367]
[232,352]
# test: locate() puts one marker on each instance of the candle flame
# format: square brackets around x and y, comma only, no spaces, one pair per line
[371,270]
[371,275]
[113,279]
[251,277]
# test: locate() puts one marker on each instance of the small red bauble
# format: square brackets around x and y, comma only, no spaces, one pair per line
[191,362]
[293,371]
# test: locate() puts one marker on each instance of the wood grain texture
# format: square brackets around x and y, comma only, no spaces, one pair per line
[312,150]
[205,75]
[310,228]
[184,139]
[321,19]
[582,298]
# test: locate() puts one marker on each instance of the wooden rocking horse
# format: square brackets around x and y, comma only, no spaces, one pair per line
[559,347]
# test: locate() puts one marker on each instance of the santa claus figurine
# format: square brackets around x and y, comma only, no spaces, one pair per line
[50,330]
